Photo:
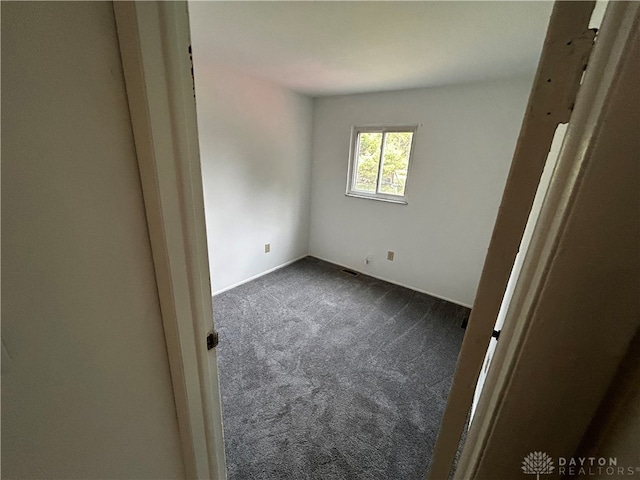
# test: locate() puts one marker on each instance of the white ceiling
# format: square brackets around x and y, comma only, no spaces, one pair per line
[333,47]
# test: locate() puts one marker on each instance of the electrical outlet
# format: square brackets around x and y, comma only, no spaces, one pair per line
[390,255]
[267,247]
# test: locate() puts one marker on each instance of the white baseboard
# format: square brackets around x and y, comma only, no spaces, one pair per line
[217,292]
[441,297]
[258,275]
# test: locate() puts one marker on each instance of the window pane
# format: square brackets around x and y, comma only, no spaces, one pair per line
[395,162]
[367,163]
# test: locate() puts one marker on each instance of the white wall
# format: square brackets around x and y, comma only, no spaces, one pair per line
[463,150]
[86,388]
[255,144]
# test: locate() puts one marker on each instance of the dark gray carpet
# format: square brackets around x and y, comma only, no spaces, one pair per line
[328,376]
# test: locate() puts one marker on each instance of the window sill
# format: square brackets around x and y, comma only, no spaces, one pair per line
[379,199]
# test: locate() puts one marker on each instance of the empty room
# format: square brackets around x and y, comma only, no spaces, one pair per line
[320,240]
[354,155]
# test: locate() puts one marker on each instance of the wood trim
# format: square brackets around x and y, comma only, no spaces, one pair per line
[565,53]
[404,285]
[262,274]
[154,43]
[583,134]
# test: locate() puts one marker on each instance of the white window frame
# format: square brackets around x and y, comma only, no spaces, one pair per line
[353,156]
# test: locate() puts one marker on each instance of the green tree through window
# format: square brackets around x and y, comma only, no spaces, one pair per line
[369,145]
[381,162]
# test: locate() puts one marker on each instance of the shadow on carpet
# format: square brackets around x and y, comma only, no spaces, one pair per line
[328,376]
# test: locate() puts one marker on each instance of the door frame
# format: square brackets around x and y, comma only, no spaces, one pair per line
[526,329]
[565,53]
[154,40]
[583,133]
[154,43]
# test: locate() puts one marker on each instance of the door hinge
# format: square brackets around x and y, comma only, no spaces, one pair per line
[496,334]
[193,78]
[212,340]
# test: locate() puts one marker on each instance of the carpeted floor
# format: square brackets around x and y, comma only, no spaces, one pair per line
[329,376]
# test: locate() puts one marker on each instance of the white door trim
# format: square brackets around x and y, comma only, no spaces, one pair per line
[565,51]
[583,134]
[154,42]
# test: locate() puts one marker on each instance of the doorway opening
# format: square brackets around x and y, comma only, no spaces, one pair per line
[275,124]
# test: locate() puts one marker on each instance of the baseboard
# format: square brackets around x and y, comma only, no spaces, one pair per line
[222,290]
[393,281]
[217,292]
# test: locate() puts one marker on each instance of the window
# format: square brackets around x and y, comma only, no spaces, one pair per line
[379,162]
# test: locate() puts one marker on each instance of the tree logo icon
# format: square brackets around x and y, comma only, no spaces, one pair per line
[537,463]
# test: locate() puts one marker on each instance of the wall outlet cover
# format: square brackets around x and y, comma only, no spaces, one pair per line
[390,255]
[267,247]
